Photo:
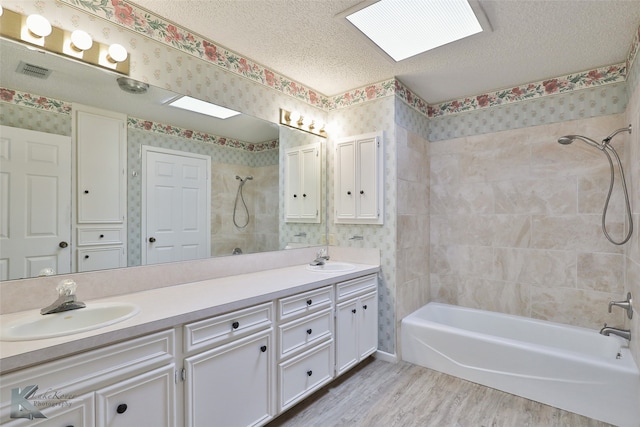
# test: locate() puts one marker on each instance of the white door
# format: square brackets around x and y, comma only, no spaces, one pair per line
[35,203]
[176,206]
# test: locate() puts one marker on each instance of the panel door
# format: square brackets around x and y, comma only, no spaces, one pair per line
[310,184]
[367,191]
[367,324]
[144,400]
[77,411]
[35,203]
[345,181]
[101,148]
[346,335]
[292,185]
[231,385]
[176,206]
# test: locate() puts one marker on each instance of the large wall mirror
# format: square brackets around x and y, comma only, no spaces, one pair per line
[247,155]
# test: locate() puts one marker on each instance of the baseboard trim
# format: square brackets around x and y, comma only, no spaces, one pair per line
[385,357]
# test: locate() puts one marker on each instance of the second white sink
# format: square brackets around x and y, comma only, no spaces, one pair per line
[94,316]
[332,267]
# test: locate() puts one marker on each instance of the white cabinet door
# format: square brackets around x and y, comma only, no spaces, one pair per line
[302,184]
[92,259]
[345,181]
[367,324]
[232,385]
[346,335]
[101,156]
[35,203]
[144,400]
[358,180]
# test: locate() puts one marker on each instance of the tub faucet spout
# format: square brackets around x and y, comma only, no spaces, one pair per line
[624,333]
[624,304]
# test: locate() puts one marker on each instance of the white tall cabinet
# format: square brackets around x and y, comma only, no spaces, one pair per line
[302,184]
[358,179]
[100,190]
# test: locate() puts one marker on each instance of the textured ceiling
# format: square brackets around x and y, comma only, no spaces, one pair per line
[302,39]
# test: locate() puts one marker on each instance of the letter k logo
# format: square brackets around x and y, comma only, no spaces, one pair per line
[21,407]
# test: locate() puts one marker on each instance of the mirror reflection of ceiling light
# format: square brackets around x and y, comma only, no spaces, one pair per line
[203,107]
[404,28]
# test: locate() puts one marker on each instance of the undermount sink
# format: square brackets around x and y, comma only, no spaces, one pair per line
[93,316]
[332,267]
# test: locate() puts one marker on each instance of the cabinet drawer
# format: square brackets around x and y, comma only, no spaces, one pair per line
[219,329]
[304,303]
[100,236]
[355,287]
[305,332]
[305,373]
[100,259]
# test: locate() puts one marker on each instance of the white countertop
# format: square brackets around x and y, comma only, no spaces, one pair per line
[168,307]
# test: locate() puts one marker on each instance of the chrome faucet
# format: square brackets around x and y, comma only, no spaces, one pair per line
[624,304]
[624,333]
[66,298]
[321,257]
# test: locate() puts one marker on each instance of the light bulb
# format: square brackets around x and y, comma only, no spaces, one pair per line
[80,40]
[117,53]
[38,25]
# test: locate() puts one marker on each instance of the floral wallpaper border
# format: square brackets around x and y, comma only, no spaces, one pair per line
[153,26]
[29,100]
[34,101]
[147,125]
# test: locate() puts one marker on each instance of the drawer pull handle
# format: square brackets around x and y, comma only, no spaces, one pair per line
[309,372]
[361,191]
[102,236]
[86,191]
[235,325]
[295,195]
[309,331]
[348,193]
[309,302]
[263,348]
[353,311]
[122,408]
[86,257]
[364,306]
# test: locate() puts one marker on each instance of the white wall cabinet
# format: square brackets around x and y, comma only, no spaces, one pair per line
[100,142]
[358,179]
[302,184]
[356,321]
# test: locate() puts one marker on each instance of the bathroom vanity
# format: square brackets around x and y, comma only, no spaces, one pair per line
[235,350]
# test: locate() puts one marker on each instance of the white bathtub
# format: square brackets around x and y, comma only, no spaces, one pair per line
[571,368]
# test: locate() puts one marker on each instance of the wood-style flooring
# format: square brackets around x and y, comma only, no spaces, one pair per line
[378,393]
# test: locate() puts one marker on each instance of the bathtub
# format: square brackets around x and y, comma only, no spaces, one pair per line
[568,367]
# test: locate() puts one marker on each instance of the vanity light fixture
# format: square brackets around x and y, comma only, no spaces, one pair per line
[38,26]
[36,31]
[117,53]
[203,107]
[81,41]
[298,121]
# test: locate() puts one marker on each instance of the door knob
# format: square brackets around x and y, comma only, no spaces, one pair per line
[152,239]
[63,244]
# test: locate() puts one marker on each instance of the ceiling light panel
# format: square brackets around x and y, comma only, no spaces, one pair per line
[404,28]
[203,107]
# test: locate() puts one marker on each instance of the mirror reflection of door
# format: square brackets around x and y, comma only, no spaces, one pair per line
[176,206]
[35,203]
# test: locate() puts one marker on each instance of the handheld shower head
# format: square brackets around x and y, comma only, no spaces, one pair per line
[568,139]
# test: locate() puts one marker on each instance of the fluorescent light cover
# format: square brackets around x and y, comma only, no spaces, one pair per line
[404,28]
[203,107]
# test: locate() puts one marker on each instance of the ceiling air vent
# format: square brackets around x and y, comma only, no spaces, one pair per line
[33,70]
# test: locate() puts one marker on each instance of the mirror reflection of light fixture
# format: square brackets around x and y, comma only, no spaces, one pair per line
[117,53]
[297,121]
[38,26]
[81,41]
